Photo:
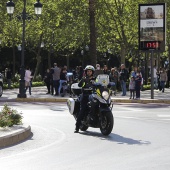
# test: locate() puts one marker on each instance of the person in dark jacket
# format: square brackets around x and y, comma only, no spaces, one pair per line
[138,80]
[123,78]
[105,70]
[48,79]
[86,83]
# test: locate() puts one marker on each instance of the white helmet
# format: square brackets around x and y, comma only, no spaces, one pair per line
[89,67]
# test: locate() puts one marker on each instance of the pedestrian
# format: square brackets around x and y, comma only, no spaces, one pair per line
[105,70]
[138,80]
[132,87]
[56,78]
[63,79]
[134,71]
[98,70]
[123,77]
[8,77]
[163,79]
[28,78]
[47,80]
[113,77]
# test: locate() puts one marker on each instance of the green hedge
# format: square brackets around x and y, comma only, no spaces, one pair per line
[16,85]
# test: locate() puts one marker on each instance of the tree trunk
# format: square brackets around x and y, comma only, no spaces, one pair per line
[49,59]
[92,48]
[38,57]
[122,54]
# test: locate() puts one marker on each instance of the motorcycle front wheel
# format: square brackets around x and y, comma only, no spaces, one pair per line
[83,127]
[106,123]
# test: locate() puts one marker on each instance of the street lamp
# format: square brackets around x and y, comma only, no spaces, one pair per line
[10,10]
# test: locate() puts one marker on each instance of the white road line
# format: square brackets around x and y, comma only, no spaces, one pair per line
[163,115]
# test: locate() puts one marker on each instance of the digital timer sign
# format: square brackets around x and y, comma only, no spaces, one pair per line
[152,26]
[145,45]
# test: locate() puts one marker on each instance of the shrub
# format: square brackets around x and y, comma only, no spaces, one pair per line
[38,78]
[9,117]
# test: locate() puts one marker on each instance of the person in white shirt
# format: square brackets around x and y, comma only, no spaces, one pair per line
[28,78]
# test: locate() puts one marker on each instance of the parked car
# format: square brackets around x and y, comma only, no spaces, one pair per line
[1,84]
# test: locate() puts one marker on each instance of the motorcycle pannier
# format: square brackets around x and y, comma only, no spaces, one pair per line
[76,90]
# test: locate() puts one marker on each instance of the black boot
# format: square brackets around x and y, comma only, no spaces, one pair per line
[77,128]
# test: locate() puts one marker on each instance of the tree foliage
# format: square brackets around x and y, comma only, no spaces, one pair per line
[64,26]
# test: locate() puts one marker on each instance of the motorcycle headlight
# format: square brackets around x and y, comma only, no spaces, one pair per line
[105,95]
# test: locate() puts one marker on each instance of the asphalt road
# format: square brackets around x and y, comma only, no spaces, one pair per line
[140,140]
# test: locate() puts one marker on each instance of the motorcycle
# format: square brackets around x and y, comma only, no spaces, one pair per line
[99,110]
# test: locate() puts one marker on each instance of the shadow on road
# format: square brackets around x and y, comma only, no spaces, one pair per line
[116,138]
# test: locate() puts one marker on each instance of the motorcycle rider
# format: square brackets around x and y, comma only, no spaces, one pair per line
[86,84]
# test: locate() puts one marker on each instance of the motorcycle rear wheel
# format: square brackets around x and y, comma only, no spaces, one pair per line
[106,123]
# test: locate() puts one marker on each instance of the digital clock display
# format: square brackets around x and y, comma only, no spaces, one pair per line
[152,30]
[146,45]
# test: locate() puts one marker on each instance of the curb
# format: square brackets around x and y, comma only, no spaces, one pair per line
[15,138]
[143,101]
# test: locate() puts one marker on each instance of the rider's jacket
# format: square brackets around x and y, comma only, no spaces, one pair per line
[86,84]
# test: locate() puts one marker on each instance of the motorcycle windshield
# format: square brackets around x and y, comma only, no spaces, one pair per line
[103,79]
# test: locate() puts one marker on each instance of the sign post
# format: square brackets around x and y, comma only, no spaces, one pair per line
[152,31]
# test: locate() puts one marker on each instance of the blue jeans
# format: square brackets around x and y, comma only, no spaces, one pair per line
[64,87]
[123,86]
[163,85]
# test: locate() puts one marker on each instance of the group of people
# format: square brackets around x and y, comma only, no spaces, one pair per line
[161,77]
[54,78]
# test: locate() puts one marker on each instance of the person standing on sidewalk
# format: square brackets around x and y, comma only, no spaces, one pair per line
[123,78]
[132,87]
[28,78]
[63,79]
[138,80]
[56,78]
[47,80]
[163,79]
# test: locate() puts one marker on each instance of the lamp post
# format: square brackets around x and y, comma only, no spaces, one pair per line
[10,10]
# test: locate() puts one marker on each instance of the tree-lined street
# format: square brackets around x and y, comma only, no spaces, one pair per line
[109,28]
[140,140]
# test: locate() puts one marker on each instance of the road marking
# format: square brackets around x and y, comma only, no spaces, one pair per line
[163,115]
[55,143]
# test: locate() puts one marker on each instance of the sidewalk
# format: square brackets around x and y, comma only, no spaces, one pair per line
[39,95]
